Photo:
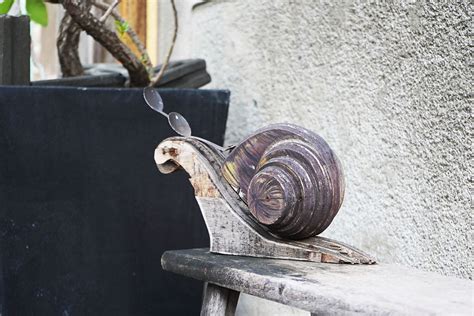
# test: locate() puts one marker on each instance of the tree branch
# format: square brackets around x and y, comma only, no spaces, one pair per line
[130,31]
[109,10]
[67,46]
[95,28]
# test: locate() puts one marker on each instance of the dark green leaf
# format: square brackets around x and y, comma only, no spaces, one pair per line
[37,11]
[5,6]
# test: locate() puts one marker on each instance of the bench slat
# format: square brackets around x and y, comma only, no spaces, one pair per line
[328,288]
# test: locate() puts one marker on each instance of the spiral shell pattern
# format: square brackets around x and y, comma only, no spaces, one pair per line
[290,179]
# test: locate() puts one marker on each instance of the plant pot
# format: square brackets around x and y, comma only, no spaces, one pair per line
[189,73]
[84,214]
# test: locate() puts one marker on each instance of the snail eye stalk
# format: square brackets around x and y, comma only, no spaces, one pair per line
[179,124]
[153,99]
[175,120]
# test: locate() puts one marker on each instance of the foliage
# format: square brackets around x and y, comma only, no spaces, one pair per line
[5,6]
[121,27]
[36,9]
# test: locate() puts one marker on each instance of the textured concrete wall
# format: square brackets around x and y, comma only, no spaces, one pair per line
[386,85]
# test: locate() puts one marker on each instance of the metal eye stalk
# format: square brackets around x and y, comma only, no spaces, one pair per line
[176,121]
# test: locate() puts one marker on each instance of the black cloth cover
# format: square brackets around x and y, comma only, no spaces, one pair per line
[84,213]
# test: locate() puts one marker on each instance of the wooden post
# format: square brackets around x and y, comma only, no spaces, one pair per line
[14,50]
[219,301]
[152,22]
[134,12]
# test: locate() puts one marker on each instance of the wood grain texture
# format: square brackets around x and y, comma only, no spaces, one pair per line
[135,13]
[219,301]
[289,177]
[329,289]
[232,229]
[14,50]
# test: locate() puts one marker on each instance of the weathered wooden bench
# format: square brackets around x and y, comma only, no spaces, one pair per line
[320,288]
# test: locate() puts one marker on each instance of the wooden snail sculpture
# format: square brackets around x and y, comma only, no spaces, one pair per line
[269,197]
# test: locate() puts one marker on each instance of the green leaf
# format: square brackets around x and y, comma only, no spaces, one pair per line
[5,6]
[121,27]
[37,11]
[118,26]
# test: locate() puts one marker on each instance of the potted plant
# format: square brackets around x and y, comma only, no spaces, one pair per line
[136,68]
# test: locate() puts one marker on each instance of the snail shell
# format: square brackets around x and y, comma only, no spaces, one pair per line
[290,179]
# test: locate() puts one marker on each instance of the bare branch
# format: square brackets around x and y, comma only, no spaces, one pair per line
[160,74]
[130,31]
[67,45]
[109,10]
[107,38]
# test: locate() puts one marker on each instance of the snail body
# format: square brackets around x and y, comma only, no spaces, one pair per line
[290,179]
[281,184]
[269,197]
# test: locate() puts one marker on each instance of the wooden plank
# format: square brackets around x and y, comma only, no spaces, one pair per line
[152,23]
[5,50]
[219,301]
[21,51]
[328,288]
[14,50]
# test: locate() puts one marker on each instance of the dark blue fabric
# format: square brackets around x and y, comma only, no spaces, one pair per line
[84,213]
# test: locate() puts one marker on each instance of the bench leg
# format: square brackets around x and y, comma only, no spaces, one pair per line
[218,301]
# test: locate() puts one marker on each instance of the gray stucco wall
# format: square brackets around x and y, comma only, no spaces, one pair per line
[388,86]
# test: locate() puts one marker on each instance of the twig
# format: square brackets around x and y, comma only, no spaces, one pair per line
[109,11]
[130,31]
[160,74]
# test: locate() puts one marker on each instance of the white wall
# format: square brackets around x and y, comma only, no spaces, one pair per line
[388,86]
